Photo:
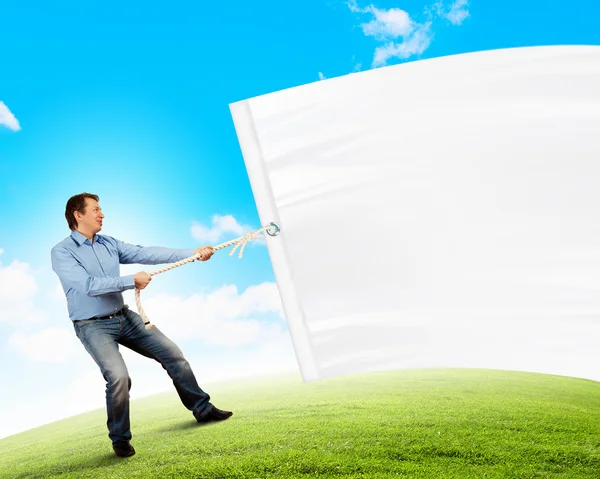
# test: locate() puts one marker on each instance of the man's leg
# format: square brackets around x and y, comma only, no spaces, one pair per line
[100,340]
[154,344]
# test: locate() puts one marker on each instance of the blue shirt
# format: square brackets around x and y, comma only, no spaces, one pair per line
[90,274]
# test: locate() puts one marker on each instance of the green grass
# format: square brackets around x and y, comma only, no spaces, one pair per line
[414,424]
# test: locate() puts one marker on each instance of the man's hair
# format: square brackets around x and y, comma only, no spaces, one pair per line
[77,203]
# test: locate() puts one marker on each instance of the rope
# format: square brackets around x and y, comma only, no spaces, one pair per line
[272,229]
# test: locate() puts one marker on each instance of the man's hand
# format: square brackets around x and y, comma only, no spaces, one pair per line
[205,252]
[141,279]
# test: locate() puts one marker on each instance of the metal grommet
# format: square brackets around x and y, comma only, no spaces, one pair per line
[274,229]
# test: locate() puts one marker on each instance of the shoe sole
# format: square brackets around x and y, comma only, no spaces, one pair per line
[213,419]
[129,454]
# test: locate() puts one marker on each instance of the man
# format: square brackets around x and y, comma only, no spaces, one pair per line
[88,267]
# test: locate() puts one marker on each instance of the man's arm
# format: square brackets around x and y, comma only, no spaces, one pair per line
[73,275]
[135,254]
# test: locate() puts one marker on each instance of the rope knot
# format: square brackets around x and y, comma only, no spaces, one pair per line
[243,241]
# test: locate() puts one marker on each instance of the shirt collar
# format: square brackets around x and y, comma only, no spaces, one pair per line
[80,239]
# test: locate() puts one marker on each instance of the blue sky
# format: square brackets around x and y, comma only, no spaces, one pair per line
[131,101]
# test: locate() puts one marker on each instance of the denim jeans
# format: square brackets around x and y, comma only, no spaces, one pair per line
[101,339]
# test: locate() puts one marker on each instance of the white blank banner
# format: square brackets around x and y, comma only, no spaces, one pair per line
[439,213]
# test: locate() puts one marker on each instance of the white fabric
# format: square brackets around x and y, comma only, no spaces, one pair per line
[439,213]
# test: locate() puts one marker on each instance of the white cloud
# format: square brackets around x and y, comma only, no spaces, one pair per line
[353,6]
[1,251]
[86,392]
[16,282]
[57,293]
[50,345]
[223,317]
[385,24]
[403,36]
[8,119]
[458,12]
[400,35]
[415,44]
[357,65]
[17,291]
[388,24]
[220,226]
[271,356]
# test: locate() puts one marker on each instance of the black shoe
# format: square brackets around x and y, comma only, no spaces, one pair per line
[123,449]
[214,414]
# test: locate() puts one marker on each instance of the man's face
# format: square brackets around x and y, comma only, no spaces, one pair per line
[91,219]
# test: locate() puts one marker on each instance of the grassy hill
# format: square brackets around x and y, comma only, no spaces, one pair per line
[415,424]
